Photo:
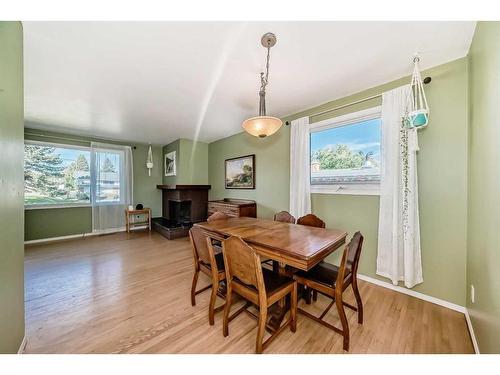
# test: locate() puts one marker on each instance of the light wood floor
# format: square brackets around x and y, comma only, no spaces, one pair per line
[129,293]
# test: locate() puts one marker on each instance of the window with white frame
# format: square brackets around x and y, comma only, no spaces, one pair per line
[345,153]
[57,175]
[108,176]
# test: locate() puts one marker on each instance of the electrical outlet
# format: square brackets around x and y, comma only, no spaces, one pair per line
[472,294]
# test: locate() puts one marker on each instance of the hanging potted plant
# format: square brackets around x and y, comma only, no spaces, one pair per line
[149,161]
[418,116]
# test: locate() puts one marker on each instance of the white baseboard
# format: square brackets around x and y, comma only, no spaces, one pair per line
[471,332]
[22,346]
[412,293]
[61,238]
[425,297]
[74,236]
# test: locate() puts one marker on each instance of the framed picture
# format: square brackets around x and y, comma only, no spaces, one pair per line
[240,172]
[170,164]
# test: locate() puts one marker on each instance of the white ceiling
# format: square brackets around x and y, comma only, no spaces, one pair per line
[159,81]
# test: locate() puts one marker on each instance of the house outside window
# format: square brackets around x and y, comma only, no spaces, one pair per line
[345,153]
[57,175]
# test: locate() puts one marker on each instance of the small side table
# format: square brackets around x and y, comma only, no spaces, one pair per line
[130,224]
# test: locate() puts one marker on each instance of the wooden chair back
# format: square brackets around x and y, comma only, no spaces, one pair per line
[284,217]
[241,261]
[339,283]
[355,246]
[200,244]
[311,220]
[217,216]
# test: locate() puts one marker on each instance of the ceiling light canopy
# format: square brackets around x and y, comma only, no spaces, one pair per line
[262,126]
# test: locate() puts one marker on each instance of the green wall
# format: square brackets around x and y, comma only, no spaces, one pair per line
[56,222]
[272,175]
[11,187]
[174,146]
[442,169]
[483,256]
[192,162]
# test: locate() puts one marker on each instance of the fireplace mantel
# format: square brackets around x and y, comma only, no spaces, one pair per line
[183,187]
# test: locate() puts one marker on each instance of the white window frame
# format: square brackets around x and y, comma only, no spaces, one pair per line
[94,176]
[66,205]
[336,122]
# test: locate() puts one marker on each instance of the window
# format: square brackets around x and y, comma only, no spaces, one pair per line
[56,175]
[108,171]
[345,153]
[63,176]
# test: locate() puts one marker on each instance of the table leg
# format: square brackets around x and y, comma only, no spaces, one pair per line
[278,311]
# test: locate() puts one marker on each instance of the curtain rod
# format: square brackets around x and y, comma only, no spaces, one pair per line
[426,81]
[65,138]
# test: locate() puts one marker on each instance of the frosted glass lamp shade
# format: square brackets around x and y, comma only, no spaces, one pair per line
[262,126]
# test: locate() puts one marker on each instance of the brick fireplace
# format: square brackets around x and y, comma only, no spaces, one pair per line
[182,205]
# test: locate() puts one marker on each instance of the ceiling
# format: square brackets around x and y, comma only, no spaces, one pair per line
[159,81]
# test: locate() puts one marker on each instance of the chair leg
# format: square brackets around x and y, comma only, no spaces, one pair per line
[261,330]
[211,306]
[276,266]
[343,319]
[227,310]
[293,308]
[315,295]
[358,300]
[193,288]
[307,295]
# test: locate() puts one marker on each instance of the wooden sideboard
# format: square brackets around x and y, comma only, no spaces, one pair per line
[233,207]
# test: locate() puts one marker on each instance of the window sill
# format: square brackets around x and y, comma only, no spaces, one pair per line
[43,207]
[358,189]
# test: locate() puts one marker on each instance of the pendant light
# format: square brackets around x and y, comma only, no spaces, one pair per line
[262,126]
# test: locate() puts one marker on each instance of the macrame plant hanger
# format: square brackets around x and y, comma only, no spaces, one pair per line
[418,116]
[149,161]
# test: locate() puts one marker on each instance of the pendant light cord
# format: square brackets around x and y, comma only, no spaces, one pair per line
[263,84]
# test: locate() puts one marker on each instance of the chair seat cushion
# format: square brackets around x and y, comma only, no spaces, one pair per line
[323,273]
[274,281]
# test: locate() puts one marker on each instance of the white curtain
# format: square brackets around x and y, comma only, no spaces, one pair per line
[111,185]
[398,256]
[300,164]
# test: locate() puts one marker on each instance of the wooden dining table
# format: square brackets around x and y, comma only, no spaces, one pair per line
[296,246]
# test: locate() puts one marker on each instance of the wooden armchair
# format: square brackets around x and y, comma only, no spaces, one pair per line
[284,217]
[259,286]
[332,281]
[211,264]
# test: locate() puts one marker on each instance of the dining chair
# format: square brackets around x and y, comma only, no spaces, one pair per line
[259,286]
[332,281]
[217,216]
[211,264]
[311,220]
[284,217]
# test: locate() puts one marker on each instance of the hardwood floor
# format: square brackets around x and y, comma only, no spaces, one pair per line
[129,293]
